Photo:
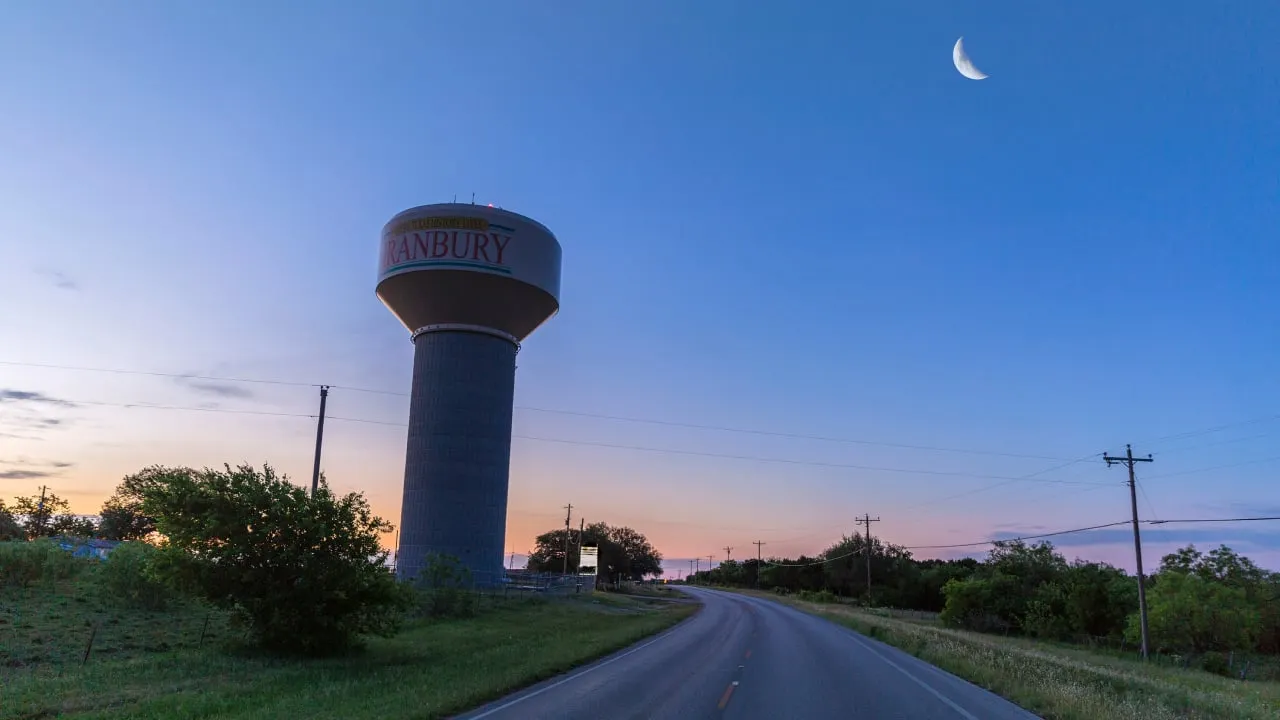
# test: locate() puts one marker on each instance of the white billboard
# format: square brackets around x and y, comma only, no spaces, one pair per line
[589,560]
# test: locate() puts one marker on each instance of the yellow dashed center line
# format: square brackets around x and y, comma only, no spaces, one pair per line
[724,699]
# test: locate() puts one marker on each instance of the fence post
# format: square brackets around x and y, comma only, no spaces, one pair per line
[202,629]
[89,646]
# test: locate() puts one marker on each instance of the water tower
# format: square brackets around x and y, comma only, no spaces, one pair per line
[470,283]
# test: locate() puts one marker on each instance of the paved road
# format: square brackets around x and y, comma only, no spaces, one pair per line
[743,657]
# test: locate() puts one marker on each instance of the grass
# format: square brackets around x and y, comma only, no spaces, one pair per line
[148,665]
[1062,683]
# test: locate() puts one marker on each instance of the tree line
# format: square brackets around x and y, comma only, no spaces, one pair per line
[1198,602]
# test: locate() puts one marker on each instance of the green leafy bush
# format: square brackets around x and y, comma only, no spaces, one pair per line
[23,563]
[129,578]
[305,573]
[820,596]
[443,588]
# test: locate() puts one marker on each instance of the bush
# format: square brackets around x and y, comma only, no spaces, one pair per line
[305,573]
[129,578]
[443,588]
[821,596]
[23,563]
[1216,663]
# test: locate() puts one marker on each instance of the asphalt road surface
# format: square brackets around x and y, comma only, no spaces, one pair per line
[743,657]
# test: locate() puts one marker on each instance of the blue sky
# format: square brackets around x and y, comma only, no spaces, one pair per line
[796,219]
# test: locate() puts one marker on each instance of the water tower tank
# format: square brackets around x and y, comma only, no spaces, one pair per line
[470,283]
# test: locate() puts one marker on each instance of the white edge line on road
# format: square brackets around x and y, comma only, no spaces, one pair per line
[580,673]
[963,713]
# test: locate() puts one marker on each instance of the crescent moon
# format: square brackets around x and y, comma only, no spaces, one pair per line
[964,64]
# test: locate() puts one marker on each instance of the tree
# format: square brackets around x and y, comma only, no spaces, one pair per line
[1187,612]
[1098,599]
[624,554]
[122,516]
[306,573]
[38,512]
[10,528]
[73,526]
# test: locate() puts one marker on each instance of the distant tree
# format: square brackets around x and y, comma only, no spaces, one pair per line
[73,526]
[122,515]
[10,528]
[306,573]
[37,513]
[624,554]
[1098,599]
[1189,613]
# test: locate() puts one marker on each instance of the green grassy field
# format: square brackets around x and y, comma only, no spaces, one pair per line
[1062,683]
[150,665]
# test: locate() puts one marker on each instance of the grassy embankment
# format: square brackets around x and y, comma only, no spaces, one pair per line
[1057,682]
[152,664]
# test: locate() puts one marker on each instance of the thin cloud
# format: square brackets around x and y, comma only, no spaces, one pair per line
[1020,528]
[24,474]
[31,396]
[60,279]
[219,389]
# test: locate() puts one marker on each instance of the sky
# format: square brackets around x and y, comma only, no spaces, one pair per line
[799,221]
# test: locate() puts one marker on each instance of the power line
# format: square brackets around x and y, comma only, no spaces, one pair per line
[1215,467]
[618,446]
[1017,539]
[1213,520]
[556,411]
[980,543]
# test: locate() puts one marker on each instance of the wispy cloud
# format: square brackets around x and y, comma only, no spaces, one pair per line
[31,396]
[1021,529]
[25,474]
[27,413]
[217,388]
[60,279]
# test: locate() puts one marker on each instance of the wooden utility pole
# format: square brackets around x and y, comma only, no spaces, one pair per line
[568,510]
[697,568]
[1128,460]
[315,469]
[727,550]
[582,526]
[866,521]
[758,544]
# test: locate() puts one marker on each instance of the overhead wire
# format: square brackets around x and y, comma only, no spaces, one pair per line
[615,446]
[1040,536]
[555,411]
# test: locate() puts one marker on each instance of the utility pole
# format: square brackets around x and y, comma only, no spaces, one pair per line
[697,568]
[568,511]
[40,511]
[691,570]
[727,550]
[511,564]
[758,543]
[866,521]
[582,527]
[1129,460]
[315,471]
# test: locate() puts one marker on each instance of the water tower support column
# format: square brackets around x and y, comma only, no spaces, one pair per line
[459,449]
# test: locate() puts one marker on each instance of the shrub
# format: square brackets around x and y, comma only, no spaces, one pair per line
[820,596]
[443,588]
[305,573]
[23,563]
[129,578]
